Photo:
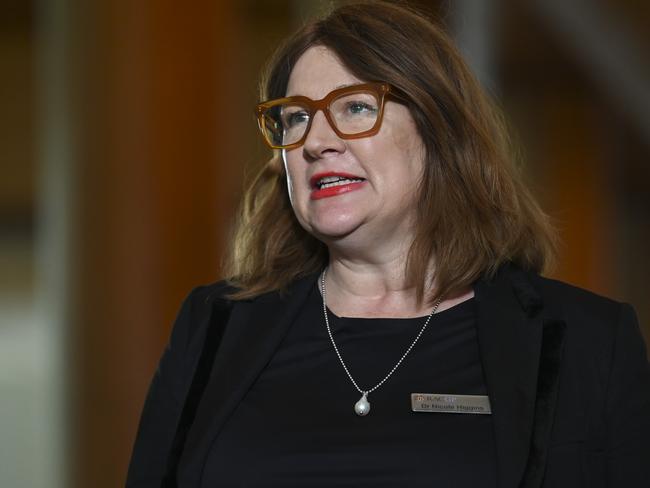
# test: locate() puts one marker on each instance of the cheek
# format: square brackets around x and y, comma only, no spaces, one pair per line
[411,148]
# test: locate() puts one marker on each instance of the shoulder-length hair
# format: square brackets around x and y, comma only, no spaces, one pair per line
[474,213]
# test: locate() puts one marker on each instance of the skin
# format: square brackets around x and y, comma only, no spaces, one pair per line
[367,231]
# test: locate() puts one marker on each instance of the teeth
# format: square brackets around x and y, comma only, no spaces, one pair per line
[330,181]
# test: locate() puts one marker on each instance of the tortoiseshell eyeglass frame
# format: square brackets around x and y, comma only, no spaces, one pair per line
[380,89]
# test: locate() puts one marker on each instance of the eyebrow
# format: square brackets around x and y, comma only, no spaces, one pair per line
[337,87]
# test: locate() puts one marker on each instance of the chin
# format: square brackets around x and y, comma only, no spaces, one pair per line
[334,230]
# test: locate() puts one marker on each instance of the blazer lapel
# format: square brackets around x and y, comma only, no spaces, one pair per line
[254,331]
[520,350]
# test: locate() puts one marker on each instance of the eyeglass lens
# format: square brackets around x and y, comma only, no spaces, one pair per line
[352,113]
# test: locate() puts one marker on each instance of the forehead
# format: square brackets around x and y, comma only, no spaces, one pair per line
[317,72]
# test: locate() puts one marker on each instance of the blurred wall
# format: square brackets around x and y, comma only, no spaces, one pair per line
[127,131]
[158,107]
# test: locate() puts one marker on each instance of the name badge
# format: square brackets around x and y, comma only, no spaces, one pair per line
[446,403]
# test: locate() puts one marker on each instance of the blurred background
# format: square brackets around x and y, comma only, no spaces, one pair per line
[126,128]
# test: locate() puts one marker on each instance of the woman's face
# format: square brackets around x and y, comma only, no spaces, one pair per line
[390,164]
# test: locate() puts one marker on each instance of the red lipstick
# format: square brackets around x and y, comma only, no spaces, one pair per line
[318,193]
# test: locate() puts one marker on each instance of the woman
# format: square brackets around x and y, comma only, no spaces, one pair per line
[384,323]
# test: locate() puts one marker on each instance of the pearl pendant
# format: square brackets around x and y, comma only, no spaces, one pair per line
[362,407]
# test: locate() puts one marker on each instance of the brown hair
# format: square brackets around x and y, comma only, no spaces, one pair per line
[474,212]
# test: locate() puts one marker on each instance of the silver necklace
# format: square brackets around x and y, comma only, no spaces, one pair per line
[362,407]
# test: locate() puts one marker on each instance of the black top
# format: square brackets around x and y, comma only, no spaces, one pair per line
[567,373]
[296,426]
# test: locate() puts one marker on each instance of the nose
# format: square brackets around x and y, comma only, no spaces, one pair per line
[321,138]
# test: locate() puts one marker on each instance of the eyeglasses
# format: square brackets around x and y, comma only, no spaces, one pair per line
[352,112]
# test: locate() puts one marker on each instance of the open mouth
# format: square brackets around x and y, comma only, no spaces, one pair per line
[325,185]
[332,181]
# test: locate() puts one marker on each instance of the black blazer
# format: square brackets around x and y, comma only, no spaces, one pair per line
[566,372]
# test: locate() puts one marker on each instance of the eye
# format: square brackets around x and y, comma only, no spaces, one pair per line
[358,107]
[291,118]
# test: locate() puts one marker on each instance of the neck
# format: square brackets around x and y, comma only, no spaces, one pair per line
[364,279]
[357,288]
